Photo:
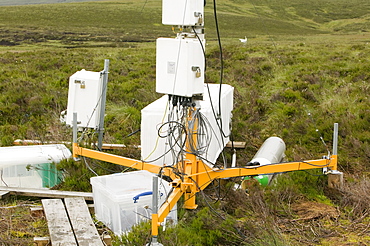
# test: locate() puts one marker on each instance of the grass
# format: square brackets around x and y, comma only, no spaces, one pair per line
[18,226]
[127,20]
[305,66]
[28,2]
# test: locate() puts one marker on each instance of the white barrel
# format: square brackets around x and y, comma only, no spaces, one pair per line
[32,166]
[271,151]
[33,154]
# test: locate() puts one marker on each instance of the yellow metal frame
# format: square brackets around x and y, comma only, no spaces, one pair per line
[197,175]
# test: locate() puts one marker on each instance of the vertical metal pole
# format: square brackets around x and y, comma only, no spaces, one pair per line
[335,178]
[155,195]
[74,127]
[335,139]
[154,241]
[74,135]
[102,104]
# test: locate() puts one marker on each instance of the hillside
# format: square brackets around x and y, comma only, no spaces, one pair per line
[117,21]
[305,66]
[32,2]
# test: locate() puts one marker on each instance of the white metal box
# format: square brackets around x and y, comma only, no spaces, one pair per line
[114,199]
[84,97]
[182,12]
[156,150]
[179,66]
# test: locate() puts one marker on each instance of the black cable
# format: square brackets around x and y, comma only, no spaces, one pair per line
[169,122]
[205,119]
[203,135]
[209,94]
[100,166]
[170,133]
[221,59]
[203,50]
[219,124]
[2,179]
[88,166]
[177,173]
[315,165]
[319,133]
[132,133]
[214,211]
[315,175]
[204,159]
[227,192]
[156,159]
[177,155]
[104,89]
[209,205]
[232,141]
[271,164]
[221,71]
[171,117]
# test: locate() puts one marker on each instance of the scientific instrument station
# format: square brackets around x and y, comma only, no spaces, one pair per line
[183,132]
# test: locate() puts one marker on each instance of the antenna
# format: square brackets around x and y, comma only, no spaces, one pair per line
[319,134]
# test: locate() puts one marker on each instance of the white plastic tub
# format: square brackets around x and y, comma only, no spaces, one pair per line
[114,199]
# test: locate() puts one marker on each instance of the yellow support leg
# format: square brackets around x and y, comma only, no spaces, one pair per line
[190,201]
[155,225]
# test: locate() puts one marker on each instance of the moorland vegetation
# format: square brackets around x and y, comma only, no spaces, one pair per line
[305,66]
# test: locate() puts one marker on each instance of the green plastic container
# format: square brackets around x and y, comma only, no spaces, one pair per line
[262,179]
[49,174]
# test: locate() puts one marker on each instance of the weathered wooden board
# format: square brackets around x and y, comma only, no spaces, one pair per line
[60,229]
[46,193]
[237,145]
[82,223]
[41,241]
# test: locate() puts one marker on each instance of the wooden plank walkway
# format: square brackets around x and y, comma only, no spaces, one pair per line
[46,193]
[70,223]
[60,229]
[82,223]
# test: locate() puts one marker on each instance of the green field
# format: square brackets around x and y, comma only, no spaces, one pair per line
[121,21]
[306,66]
[32,2]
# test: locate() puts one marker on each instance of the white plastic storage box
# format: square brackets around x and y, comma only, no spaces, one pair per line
[179,66]
[182,12]
[155,149]
[114,199]
[84,98]
[32,166]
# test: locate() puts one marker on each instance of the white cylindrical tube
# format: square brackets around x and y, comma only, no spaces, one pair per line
[271,151]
